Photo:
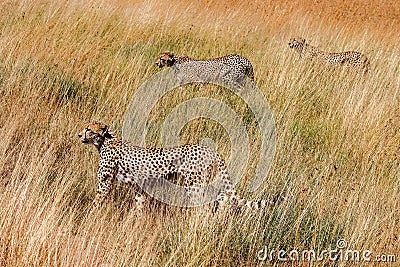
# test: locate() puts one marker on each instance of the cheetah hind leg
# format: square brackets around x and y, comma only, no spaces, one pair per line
[221,201]
[139,203]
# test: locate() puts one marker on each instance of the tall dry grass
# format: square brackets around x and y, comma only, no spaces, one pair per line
[65,62]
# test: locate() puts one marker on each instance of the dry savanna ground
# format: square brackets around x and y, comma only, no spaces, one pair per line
[63,63]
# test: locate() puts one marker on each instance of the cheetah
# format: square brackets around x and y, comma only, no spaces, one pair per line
[195,164]
[352,59]
[234,61]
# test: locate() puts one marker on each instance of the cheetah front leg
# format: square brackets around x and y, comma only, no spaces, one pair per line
[103,190]
[105,178]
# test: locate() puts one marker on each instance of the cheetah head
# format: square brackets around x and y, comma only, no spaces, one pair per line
[297,42]
[95,133]
[165,59]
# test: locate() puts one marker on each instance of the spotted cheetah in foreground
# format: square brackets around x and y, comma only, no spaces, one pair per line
[236,62]
[122,161]
[354,60]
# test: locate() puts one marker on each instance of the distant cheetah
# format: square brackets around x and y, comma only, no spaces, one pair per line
[352,59]
[234,61]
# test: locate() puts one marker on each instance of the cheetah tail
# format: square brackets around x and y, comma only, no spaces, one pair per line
[253,204]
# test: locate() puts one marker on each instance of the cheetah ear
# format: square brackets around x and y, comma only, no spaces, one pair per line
[105,132]
[171,61]
[108,135]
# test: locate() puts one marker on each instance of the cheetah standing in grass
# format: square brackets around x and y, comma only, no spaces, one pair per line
[195,164]
[236,62]
[351,59]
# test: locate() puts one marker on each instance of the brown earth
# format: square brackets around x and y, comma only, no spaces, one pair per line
[379,16]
